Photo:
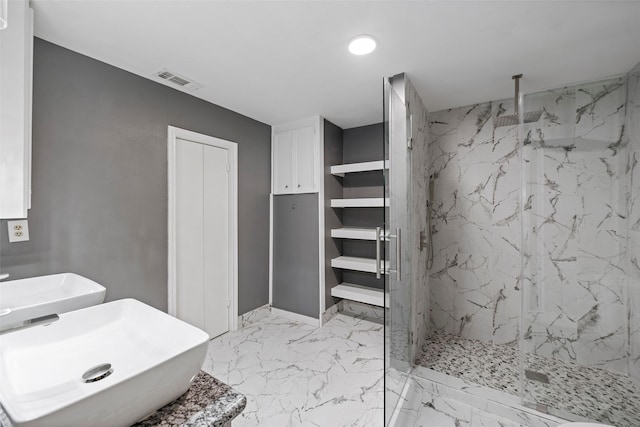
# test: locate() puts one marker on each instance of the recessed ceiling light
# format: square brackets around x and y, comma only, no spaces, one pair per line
[362,45]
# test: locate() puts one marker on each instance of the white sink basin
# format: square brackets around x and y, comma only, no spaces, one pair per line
[26,299]
[154,358]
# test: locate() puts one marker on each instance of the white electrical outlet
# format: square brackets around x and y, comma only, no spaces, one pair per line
[18,231]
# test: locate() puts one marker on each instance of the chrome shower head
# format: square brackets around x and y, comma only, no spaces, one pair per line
[514,119]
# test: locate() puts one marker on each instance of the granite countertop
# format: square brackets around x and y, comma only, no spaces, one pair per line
[208,402]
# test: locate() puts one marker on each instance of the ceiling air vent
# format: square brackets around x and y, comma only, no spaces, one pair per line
[177,80]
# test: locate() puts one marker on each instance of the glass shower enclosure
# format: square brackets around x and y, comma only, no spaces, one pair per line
[579,341]
[396,236]
[555,325]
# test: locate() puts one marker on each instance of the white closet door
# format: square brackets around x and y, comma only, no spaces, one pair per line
[189,236]
[203,230]
[216,240]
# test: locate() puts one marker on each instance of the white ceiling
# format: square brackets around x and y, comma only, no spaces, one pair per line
[281,61]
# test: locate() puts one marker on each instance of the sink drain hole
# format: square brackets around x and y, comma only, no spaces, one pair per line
[97,373]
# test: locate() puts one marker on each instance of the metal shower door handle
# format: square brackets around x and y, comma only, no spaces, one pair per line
[398,263]
[398,269]
[377,252]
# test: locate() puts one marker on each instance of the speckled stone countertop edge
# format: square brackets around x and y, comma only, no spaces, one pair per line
[208,402]
[227,411]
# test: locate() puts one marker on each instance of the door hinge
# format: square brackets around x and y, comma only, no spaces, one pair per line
[228,167]
[228,303]
[410,338]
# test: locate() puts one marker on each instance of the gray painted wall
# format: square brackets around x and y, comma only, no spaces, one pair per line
[99,203]
[295,254]
[332,217]
[363,144]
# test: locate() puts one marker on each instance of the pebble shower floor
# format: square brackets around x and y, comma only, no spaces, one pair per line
[593,393]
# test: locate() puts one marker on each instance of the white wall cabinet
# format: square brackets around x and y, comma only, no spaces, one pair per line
[16,75]
[282,164]
[295,155]
[305,159]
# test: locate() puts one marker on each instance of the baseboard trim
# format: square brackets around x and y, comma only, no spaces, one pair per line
[331,312]
[253,316]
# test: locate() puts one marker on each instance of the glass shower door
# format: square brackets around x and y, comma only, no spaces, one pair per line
[575,306]
[396,239]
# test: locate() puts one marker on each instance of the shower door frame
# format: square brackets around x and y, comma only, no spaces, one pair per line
[397,247]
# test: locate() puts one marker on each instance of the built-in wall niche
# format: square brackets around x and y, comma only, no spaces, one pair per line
[360,230]
[364,290]
[16,57]
[296,282]
[326,204]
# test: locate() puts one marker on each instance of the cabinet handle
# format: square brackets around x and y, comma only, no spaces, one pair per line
[286,186]
[298,185]
[377,252]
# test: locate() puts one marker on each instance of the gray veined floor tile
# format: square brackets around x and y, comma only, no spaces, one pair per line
[298,375]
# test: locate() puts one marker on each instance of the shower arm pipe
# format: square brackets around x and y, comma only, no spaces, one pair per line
[516,107]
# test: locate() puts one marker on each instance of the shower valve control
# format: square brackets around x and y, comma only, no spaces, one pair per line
[422,240]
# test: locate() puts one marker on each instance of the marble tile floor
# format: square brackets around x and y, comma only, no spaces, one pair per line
[433,399]
[422,408]
[587,392]
[299,375]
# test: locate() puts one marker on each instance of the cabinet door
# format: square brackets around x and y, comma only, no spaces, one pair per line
[16,54]
[283,162]
[305,160]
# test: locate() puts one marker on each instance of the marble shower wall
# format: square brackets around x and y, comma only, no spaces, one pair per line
[419,187]
[474,281]
[633,258]
[576,172]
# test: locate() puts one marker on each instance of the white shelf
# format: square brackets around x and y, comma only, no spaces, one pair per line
[340,170]
[359,203]
[354,233]
[360,293]
[367,265]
